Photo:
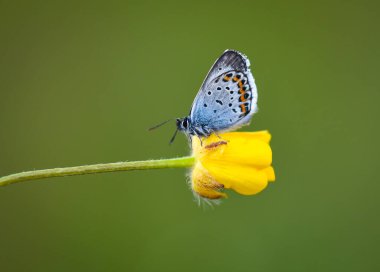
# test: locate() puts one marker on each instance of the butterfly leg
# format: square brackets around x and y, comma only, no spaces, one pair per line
[213,145]
[217,134]
[207,131]
[200,139]
[190,139]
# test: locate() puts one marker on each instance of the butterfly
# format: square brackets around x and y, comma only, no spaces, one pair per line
[226,100]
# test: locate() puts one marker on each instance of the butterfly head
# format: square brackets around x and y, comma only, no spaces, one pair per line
[183,124]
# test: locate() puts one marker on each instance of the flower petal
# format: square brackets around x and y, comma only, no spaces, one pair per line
[243,179]
[248,148]
[269,171]
[204,184]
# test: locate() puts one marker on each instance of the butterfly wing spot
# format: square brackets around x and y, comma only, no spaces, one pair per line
[219,102]
[227,77]
[230,105]
[218,88]
[214,111]
[244,97]
[209,93]
[236,78]
[242,108]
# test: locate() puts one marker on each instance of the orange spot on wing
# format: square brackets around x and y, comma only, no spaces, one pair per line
[242,108]
[226,78]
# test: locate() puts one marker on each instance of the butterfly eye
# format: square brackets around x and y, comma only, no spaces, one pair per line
[184,123]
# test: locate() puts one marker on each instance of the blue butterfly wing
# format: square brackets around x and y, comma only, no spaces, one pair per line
[227,98]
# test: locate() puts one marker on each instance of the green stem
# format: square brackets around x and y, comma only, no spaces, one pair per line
[97,168]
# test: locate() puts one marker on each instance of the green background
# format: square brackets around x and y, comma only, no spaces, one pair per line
[81,81]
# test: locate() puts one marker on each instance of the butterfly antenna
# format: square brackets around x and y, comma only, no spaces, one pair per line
[172,139]
[157,126]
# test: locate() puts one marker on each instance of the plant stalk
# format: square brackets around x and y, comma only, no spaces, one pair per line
[182,162]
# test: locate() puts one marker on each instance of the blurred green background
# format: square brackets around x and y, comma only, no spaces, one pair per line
[81,81]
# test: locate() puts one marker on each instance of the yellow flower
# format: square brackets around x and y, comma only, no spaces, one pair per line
[240,161]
